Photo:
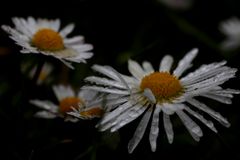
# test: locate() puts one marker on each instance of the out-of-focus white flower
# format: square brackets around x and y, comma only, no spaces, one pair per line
[150,92]
[84,105]
[231,29]
[45,37]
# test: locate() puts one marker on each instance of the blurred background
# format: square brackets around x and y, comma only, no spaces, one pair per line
[119,30]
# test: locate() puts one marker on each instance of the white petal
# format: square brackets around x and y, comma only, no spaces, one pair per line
[120,77]
[87,95]
[209,84]
[218,98]
[148,68]
[105,70]
[80,58]
[167,109]
[192,127]
[120,109]
[31,24]
[112,102]
[111,73]
[230,27]
[168,127]
[130,80]
[68,29]
[62,92]
[21,26]
[129,116]
[139,131]
[154,128]
[225,91]
[81,48]
[55,25]
[15,35]
[47,105]
[208,123]
[71,119]
[231,43]
[74,40]
[205,72]
[69,65]
[185,63]
[150,96]
[105,82]
[166,64]
[211,112]
[135,69]
[45,114]
[171,107]
[106,90]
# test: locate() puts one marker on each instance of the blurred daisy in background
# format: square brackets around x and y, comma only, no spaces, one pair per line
[149,92]
[44,76]
[45,37]
[85,103]
[177,4]
[231,29]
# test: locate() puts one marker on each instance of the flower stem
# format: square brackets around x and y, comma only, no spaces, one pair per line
[88,151]
[38,71]
[190,29]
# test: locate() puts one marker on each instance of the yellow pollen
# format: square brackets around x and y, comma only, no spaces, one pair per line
[163,85]
[68,103]
[94,112]
[48,40]
[43,75]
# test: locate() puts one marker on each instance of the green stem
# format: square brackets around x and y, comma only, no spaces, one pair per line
[89,150]
[188,28]
[38,71]
[228,147]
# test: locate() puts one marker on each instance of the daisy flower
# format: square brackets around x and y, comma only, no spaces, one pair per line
[150,92]
[85,102]
[45,37]
[231,29]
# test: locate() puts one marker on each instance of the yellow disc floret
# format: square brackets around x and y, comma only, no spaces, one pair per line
[93,112]
[163,85]
[47,40]
[68,103]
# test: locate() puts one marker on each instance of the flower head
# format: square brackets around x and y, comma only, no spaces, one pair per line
[85,103]
[45,37]
[150,92]
[231,29]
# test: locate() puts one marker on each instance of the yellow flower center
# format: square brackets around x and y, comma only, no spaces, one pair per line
[94,112]
[47,40]
[68,103]
[163,85]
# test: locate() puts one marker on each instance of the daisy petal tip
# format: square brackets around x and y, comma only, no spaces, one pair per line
[130,149]
[148,93]
[5,28]
[228,125]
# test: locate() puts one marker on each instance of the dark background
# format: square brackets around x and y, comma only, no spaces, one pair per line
[141,30]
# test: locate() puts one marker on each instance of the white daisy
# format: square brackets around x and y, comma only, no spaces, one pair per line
[44,36]
[85,102]
[177,4]
[149,92]
[231,29]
